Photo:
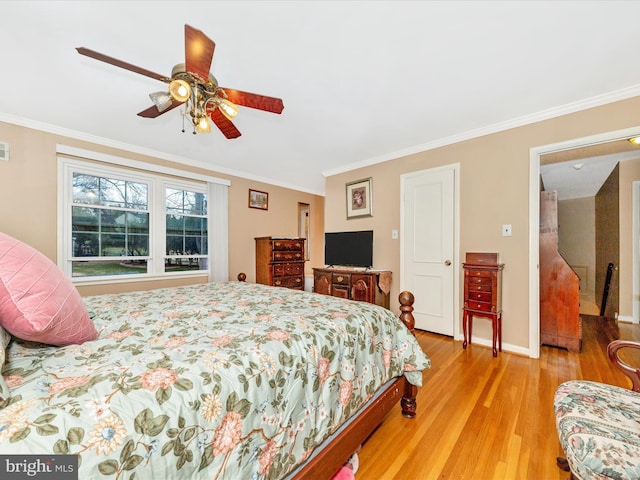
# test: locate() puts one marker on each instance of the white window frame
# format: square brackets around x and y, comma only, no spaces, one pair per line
[157,183]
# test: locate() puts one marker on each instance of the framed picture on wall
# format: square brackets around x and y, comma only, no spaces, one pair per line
[259,200]
[359,199]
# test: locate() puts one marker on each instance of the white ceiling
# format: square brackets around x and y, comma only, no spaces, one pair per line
[362,81]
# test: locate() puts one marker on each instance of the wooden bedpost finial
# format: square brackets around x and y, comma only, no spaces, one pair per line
[242,277]
[406,299]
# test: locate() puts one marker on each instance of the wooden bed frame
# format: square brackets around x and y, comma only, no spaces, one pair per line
[335,454]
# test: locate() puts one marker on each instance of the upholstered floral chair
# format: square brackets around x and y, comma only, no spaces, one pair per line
[599,425]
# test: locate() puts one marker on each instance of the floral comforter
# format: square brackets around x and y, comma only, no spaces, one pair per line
[217,381]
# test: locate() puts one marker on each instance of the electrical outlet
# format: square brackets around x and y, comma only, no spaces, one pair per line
[506,230]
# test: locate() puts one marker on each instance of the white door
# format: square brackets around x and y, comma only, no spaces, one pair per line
[427,250]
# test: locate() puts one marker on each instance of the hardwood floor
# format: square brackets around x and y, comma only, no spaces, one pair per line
[481,417]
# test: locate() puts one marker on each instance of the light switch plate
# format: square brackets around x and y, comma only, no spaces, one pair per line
[506,230]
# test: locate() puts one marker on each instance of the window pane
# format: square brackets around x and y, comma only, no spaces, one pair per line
[175,245]
[138,245]
[84,219]
[112,192]
[138,223]
[86,244]
[195,203]
[175,224]
[183,201]
[137,195]
[195,226]
[112,245]
[89,268]
[184,264]
[193,245]
[112,221]
[175,200]
[86,189]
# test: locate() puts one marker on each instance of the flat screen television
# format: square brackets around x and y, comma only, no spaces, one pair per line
[349,249]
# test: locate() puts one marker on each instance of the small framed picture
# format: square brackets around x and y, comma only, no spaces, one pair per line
[259,200]
[359,199]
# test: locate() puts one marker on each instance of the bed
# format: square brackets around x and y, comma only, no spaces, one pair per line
[222,380]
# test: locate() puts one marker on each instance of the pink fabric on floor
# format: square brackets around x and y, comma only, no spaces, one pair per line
[345,473]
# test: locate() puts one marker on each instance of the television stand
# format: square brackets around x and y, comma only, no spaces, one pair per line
[372,286]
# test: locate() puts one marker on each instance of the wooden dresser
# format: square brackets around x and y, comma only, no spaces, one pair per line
[280,262]
[371,286]
[483,295]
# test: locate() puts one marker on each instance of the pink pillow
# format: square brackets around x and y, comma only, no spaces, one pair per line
[37,301]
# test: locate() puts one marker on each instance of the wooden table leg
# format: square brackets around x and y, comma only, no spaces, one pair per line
[465,325]
[494,328]
[500,332]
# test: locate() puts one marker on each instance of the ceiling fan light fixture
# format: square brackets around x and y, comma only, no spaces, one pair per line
[162,100]
[635,140]
[227,108]
[203,125]
[180,90]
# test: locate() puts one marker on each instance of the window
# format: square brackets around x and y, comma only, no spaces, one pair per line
[186,230]
[109,226]
[120,223]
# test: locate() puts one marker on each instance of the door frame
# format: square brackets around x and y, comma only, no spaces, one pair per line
[455,167]
[534,225]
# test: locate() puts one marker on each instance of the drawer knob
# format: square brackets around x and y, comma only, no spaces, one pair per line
[340,279]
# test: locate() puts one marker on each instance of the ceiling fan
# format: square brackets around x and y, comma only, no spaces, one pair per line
[192,84]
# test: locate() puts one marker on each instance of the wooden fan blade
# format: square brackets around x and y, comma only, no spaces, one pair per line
[121,64]
[227,128]
[253,100]
[198,52]
[153,112]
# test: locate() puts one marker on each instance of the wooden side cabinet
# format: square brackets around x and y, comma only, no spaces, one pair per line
[280,262]
[483,295]
[370,286]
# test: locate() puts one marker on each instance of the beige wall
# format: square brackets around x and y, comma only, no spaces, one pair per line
[629,173]
[577,240]
[28,199]
[609,241]
[494,190]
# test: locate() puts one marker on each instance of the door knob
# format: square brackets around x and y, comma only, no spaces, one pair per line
[447,262]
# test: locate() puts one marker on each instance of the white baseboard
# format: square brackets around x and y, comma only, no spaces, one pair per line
[506,347]
[625,319]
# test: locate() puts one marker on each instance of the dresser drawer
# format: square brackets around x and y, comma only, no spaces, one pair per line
[283,269]
[289,282]
[479,287]
[341,291]
[479,306]
[479,281]
[478,273]
[341,279]
[283,244]
[480,296]
[287,256]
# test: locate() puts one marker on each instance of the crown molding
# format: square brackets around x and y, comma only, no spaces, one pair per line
[566,109]
[107,142]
